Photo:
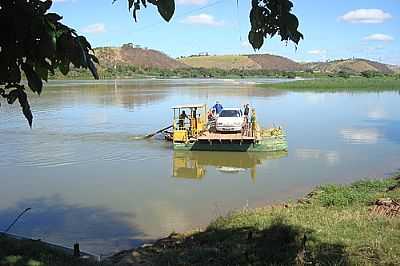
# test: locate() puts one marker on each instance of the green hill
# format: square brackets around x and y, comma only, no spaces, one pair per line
[247,62]
[355,66]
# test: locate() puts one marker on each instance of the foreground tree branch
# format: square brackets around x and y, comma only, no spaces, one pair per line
[35,43]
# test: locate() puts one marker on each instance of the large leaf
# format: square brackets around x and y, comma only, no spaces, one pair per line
[130,3]
[93,69]
[12,96]
[166,8]
[42,71]
[53,17]
[26,109]
[44,6]
[95,59]
[48,43]
[14,74]
[256,39]
[64,67]
[84,42]
[34,81]
[135,9]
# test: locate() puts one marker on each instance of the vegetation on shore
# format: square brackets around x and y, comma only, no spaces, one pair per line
[333,225]
[384,83]
[356,224]
[340,80]
[15,252]
[131,72]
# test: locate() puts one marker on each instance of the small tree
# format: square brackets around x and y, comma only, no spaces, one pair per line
[343,74]
[370,74]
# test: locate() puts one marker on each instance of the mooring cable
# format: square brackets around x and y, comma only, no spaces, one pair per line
[16,219]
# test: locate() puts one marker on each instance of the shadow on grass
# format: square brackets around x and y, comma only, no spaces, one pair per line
[29,252]
[278,244]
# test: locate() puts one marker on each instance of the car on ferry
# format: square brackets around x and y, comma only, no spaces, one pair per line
[230,120]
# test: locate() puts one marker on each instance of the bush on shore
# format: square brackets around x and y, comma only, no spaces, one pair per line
[340,84]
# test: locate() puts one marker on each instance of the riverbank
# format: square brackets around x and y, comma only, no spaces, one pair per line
[340,84]
[133,72]
[356,224]
[333,225]
[22,252]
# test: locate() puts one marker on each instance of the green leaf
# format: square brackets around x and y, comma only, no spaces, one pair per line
[134,13]
[136,7]
[93,69]
[256,39]
[64,67]
[292,22]
[14,74]
[131,2]
[53,17]
[166,8]
[84,42]
[42,71]
[44,6]
[48,44]
[34,81]
[12,96]
[95,59]
[26,109]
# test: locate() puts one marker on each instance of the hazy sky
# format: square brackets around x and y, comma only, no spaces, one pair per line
[333,29]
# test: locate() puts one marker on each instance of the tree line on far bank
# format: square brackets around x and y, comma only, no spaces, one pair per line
[131,71]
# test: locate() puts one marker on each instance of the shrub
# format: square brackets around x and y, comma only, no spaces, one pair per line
[343,74]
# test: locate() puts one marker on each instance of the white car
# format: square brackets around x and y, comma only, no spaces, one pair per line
[230,120]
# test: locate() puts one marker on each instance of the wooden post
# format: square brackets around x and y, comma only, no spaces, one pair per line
[77,252]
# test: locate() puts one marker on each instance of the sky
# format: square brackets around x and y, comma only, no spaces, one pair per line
[332,29]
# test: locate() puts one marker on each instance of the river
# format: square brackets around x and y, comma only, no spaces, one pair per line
[88,180]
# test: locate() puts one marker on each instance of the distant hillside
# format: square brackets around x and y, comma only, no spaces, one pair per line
[227,62]
[394,68]
[220,61]
[129,55]
[274,62]
[348,65]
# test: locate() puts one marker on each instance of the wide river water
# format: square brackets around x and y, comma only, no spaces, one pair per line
[88,180]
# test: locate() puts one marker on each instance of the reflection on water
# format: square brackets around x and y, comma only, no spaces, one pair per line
[114,191]
[361,135]
[193,164]
[389,128]
[95,228]
[331,157]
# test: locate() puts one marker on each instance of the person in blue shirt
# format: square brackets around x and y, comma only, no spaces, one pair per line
[218,107]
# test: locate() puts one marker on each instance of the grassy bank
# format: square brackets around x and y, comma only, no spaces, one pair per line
[340,84]
[334,225]
[34,253]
